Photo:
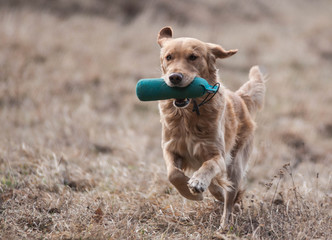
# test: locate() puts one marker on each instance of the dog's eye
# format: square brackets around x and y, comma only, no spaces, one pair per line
[192,57]
[169,57]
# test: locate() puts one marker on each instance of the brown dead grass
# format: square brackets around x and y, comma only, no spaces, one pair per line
[80,156]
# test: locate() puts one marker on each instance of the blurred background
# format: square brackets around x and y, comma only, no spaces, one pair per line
[75,139]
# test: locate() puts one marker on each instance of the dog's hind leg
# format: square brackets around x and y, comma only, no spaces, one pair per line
[236,172]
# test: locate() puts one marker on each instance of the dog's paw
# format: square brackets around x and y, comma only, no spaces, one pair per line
[197,186]
[237,208]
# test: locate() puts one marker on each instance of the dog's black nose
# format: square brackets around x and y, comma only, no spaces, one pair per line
[175,78]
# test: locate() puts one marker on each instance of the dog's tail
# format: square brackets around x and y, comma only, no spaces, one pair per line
[253,91]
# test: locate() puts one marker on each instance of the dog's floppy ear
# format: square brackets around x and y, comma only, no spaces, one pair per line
[164,34]
[219,52]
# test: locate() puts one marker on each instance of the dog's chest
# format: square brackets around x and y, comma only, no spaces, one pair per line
[192,148]
[189,141]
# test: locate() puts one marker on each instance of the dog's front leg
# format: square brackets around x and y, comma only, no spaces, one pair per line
[177,177]
[201,179]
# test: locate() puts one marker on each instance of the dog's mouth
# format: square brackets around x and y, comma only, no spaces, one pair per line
[181,103]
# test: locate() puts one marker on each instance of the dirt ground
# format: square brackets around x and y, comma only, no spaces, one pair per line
[80,155]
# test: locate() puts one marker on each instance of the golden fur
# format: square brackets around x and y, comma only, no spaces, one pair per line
[215,146]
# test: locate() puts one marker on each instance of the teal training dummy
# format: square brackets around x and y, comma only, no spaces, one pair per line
[156,89]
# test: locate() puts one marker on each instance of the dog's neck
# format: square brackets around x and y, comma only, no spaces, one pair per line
[212,75]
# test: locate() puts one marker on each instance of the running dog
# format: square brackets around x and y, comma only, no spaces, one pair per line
[211,141]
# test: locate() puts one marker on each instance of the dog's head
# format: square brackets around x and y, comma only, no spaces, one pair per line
[182,59]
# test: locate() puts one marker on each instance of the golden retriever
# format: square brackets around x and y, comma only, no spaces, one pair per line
[212,143]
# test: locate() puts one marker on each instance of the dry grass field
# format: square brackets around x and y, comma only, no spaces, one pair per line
[80,156]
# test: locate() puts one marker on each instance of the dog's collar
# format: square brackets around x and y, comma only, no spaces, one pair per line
[213,91]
